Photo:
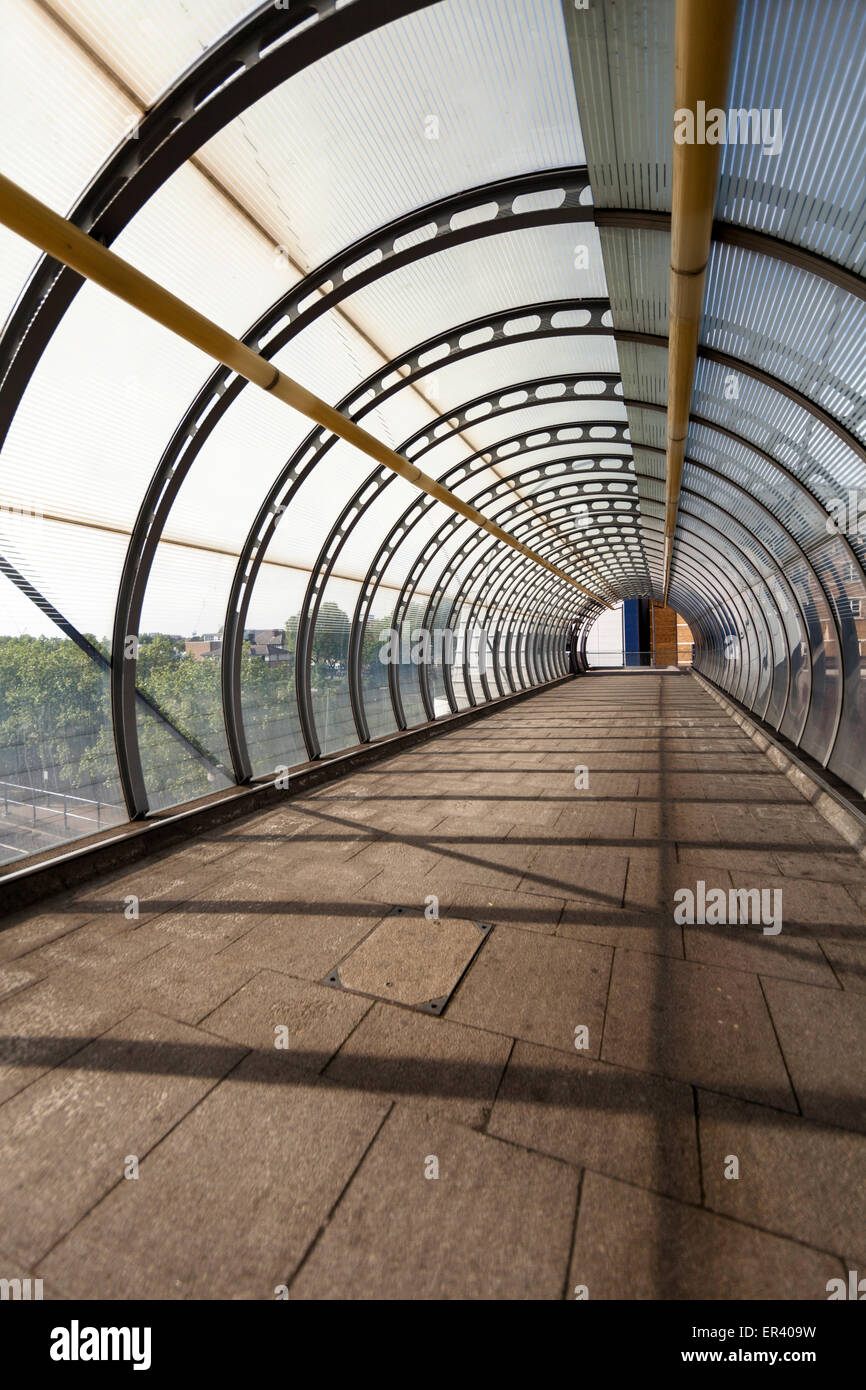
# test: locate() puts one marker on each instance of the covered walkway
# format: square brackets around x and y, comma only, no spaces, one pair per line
[376,376]
[565,1121]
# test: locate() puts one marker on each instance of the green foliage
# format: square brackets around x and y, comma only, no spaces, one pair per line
[55,715]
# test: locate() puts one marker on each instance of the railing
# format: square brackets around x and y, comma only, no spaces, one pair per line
[653,657]
[103,809]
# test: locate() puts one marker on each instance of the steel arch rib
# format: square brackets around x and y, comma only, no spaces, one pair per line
[283,321]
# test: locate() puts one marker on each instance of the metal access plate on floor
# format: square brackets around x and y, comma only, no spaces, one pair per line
[411,959]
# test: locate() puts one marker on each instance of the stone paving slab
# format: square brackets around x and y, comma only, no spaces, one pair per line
[615,1121]
[697,1023]
[796,1178]
[67,1139]
[305,943]
[226,1206]
[534,987]
[789,954]
[633,1244]
[42,1025]
[449,1070]
[495,1224]
[822,1034]
[305,1022]
[411,959]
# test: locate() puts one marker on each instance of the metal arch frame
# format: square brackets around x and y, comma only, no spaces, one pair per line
[334,273]
[545,329]
[775,383]
[776,521]
[803,491]
[749,566]
[561,548]
[383,557]
[365,398]
[508,582]
[549,608]
[477,572]
[463,553]
[748,239]
[320,290]
[584,637]
[718,581]
[525,618]
[489,405]
[516,574]
[767,654]
[125,673]
[568,624]
[478,603]
[504,488]
[234,72]
[390,544]
[365,496]
[729,600]
[779,576]
[542,521]
[704,422]
[411,581]
[478,599]
[709,623]
[507,617]
[691,530]
[249,61]
[572,482]
[831,608]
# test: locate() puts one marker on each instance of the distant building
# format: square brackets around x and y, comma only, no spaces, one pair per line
[274,653]
[203,648]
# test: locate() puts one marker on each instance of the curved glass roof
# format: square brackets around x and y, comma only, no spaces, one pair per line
[451,220]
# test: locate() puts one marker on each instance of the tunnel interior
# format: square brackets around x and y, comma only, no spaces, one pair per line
[458,224]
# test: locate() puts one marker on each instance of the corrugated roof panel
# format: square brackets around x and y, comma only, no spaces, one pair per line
[807,61]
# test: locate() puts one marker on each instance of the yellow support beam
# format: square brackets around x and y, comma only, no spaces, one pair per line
[36,223]
[703,46]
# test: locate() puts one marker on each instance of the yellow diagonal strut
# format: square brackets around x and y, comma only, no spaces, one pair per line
[31,219]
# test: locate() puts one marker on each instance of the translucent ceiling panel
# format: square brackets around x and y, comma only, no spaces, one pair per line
[806,61]
[644,372]
[808,449]
[489,275]
[61,118]
[458,94]
[622,58]
[637,266]
[111,386]
[148,43]
[499,367]
[794,325]
[70,565]
[371,529]
[255,438]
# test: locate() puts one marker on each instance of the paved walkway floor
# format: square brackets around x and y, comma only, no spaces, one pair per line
[609,1101]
